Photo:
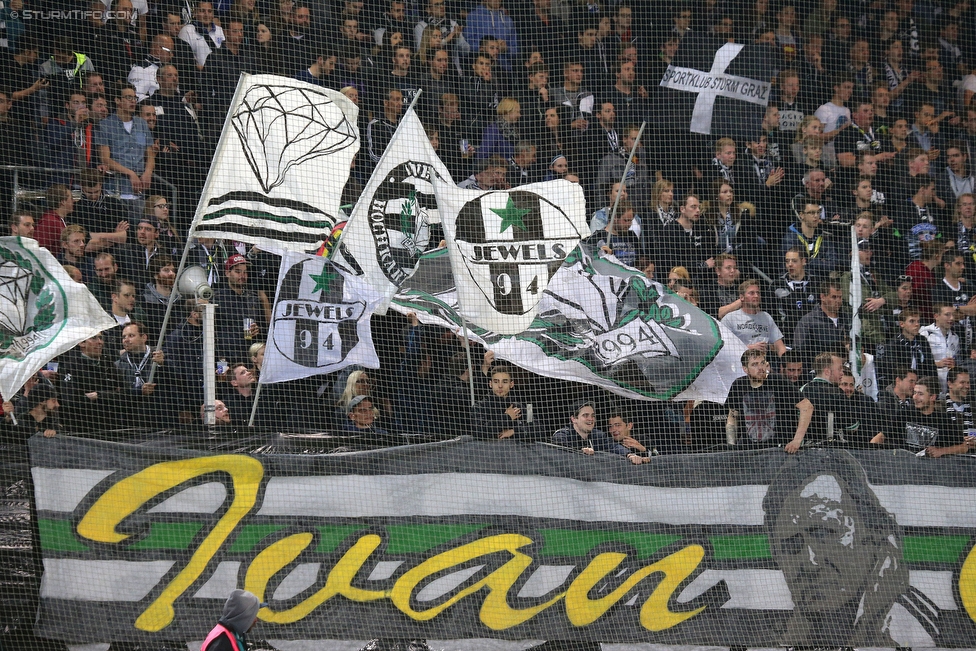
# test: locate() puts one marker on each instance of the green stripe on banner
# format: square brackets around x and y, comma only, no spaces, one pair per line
[251,535]
[730,547]
[412,538]
[564,542]
[169,535]
[323,224]
[332,536]
[934,549]
[58,536]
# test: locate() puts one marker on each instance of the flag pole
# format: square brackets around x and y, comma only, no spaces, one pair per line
[623,177]
[467,351]
[254,405]
[856,301]
[221,145]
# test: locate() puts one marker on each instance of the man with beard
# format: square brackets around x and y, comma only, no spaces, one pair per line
[769,407]
[135,362]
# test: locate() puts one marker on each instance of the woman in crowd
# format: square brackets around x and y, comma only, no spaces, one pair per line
[500,137]
[431,41]
[662,201]
[158,207]
[263,57]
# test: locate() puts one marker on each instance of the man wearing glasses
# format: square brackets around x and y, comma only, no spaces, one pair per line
[808,234]
[125,147]
[142,76]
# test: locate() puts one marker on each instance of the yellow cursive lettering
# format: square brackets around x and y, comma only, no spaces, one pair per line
[655,615]
[495,613]
[279,554]
[127,496]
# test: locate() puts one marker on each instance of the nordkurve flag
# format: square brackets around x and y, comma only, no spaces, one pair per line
[321,320]
[599,323]
[719,88]
[43,313]
[281,164]
[390,225]
[506,245]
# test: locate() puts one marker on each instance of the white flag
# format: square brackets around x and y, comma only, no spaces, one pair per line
[321,321]
[43,313]
[390,225]
[600,323]
[505,245]
[281,164]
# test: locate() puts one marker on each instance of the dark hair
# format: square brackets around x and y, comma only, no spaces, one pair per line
[907,312]
[903,372]
[828,285]
[500,368]
[954,373]
[930,383]
[157,262]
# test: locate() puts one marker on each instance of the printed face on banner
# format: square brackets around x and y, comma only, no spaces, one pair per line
[32,302]
[512,242]
[399,219]
[819,546]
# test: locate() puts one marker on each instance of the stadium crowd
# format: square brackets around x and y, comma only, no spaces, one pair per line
[871,127]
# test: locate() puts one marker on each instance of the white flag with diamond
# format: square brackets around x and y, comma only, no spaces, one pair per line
[281,165]
[43,313]
[505,245]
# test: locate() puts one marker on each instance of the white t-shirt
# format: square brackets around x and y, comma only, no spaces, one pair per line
[752,328]
[833,116]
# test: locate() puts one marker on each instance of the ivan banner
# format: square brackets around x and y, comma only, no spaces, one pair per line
[601,323]
[281,164]
[466,539]
[321,320]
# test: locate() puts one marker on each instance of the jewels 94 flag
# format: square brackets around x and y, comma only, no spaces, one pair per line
[43,313]
[321,320]
[599,323]
[281,164]
[506,245]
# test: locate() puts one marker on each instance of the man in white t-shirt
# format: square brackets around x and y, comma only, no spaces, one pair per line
[834,115]
[754,327]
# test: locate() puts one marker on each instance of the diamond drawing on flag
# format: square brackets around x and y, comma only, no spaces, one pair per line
[281,126]
[15,283]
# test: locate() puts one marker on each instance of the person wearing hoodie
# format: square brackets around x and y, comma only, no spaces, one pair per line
[490,19]
[239,616]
